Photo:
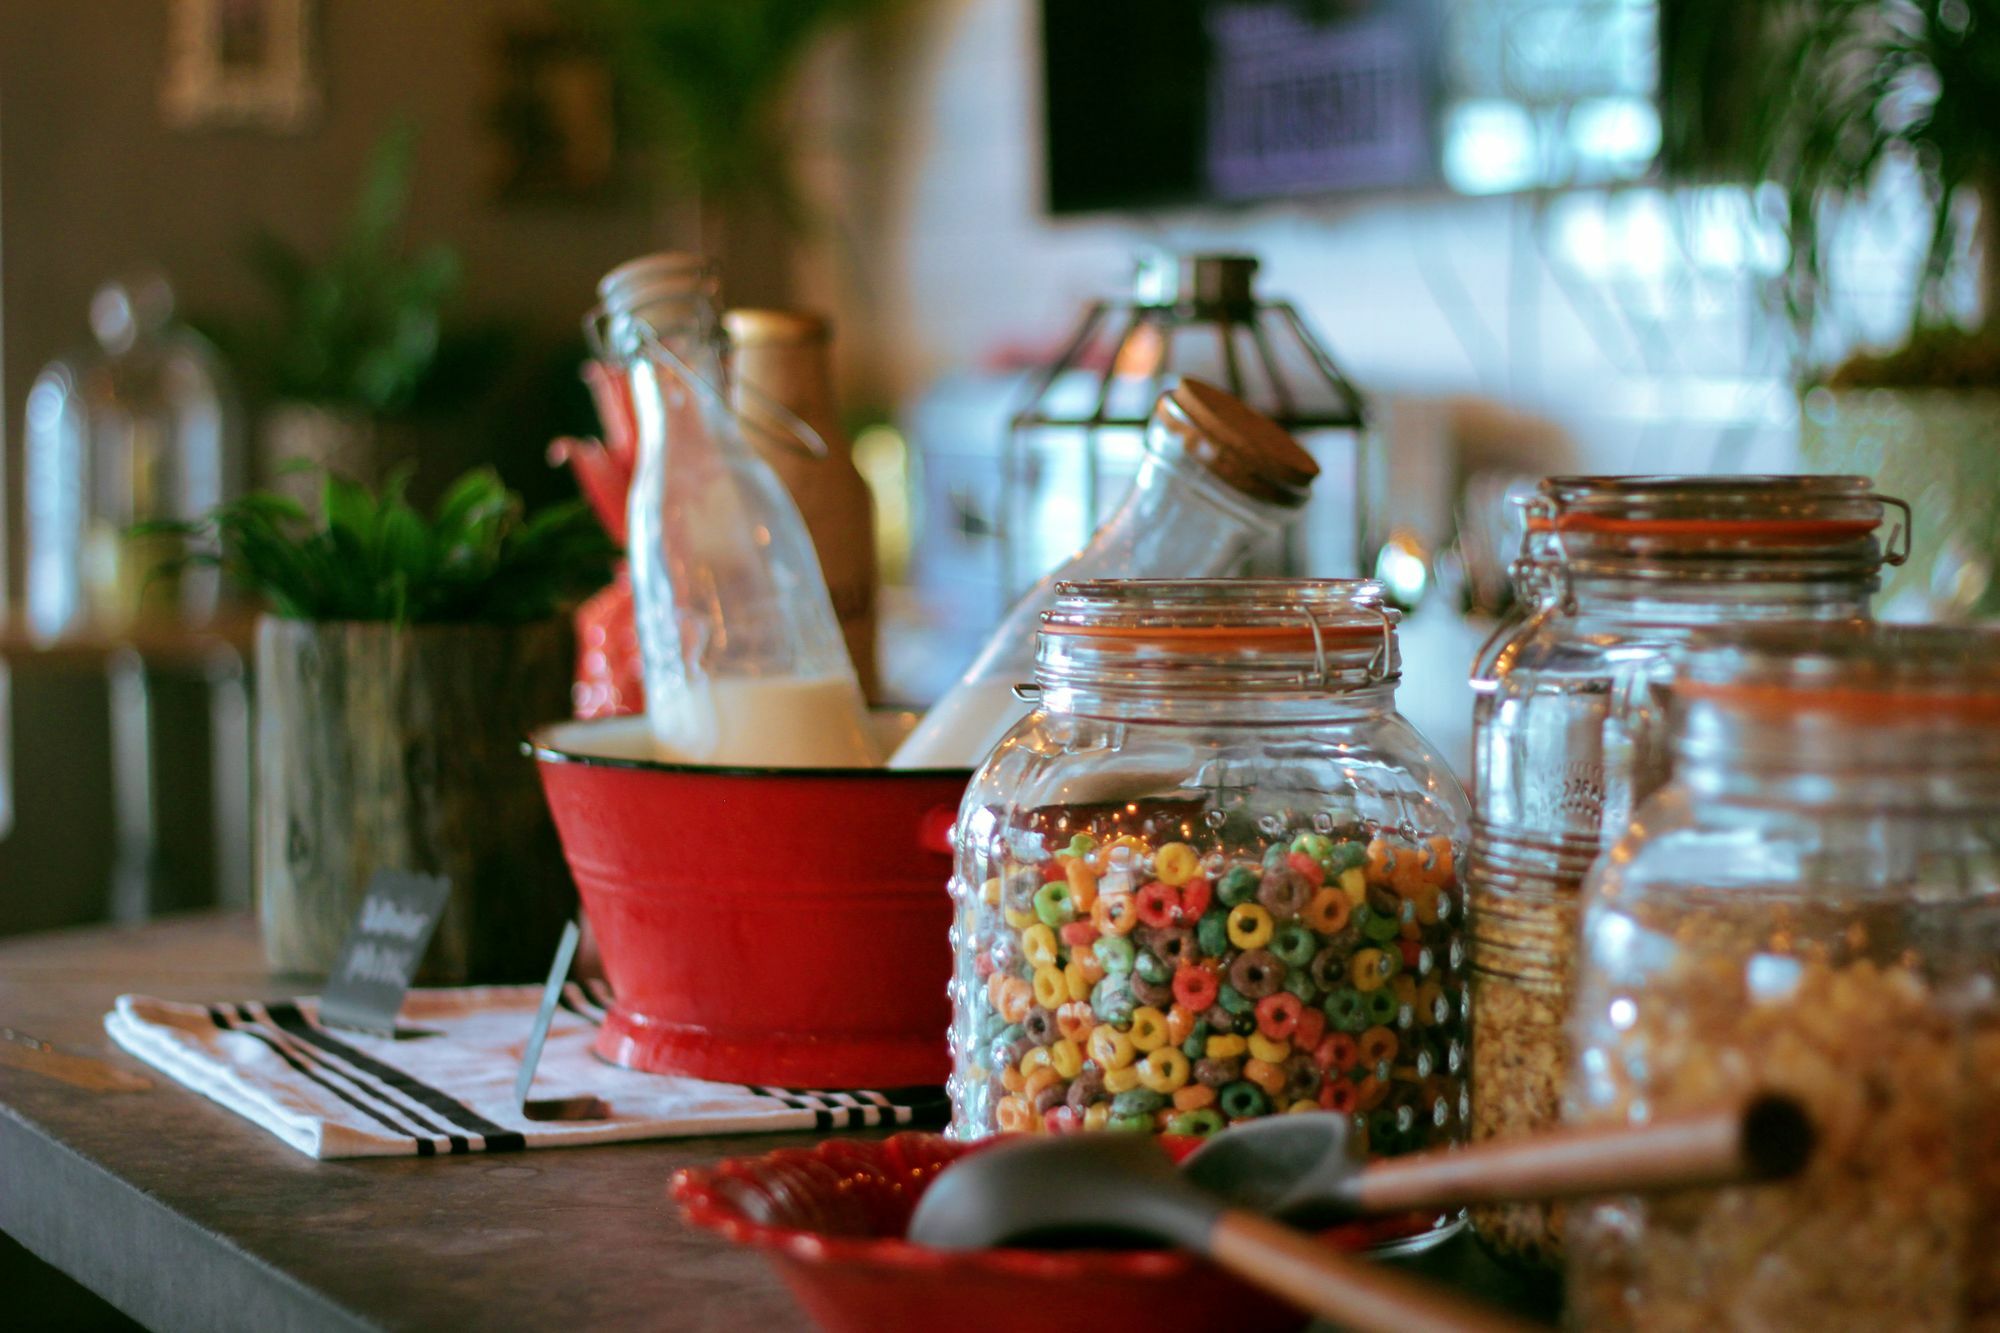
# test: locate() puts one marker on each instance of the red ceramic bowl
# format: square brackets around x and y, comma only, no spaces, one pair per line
[831,1221]
[788,927]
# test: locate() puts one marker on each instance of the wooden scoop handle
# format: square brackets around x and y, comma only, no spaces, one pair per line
[1351,1292]
[1768,1138]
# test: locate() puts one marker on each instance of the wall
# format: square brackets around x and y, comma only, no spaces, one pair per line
[1624,316]
[91,178]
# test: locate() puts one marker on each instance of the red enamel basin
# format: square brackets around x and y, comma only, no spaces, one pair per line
[788,927]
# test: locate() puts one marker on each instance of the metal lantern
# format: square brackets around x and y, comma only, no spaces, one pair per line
[1074,448]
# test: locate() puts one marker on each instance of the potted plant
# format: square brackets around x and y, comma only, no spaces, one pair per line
[706,86]
[350,340]
[401,663]
[1830,100]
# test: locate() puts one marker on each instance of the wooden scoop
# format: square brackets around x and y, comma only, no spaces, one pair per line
[1302,1167]
[1107,1188]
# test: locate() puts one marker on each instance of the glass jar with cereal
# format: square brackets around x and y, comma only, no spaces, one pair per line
[1568,732]
[1212,876]
[1812,907]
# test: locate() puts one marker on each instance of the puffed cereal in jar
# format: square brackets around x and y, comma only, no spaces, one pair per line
[1811,907]
[1569,733]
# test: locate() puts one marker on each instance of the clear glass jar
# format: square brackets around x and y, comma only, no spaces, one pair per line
[1811,907]
[138,432]
[1218,479]
[1211,875]
[1568,735]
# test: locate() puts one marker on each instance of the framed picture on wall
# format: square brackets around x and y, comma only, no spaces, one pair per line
[554,118]
[240,62]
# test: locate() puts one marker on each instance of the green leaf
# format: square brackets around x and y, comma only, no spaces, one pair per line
[372,556]
[349,509]
[361,327]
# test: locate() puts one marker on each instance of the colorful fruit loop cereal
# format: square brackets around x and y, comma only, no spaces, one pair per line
[1127,986]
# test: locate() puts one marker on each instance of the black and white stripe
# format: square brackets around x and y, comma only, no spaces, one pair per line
[482,1134]
[232,1018]
[865,1108]
[434,1122]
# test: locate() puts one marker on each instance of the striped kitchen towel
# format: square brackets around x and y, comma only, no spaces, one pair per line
[445,1082]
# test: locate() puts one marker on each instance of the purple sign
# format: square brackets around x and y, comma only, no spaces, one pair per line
[1298,106]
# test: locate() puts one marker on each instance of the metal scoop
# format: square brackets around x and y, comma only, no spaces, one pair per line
[1303,1168]
[1109,1188]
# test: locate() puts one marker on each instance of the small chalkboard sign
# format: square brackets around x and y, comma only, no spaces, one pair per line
[398,915]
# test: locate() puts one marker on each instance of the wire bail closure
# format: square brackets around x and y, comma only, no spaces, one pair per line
[1548,570]
[808,441]
[1321,676]
[599,339]
[1903,533]
[1538,573]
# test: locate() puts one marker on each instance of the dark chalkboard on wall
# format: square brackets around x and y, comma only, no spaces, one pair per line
[1161,103]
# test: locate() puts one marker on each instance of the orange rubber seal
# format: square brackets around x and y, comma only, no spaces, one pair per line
[1808,530]
[1219,636]
[1844,700]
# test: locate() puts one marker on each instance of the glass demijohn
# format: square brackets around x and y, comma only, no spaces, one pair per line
[135,433]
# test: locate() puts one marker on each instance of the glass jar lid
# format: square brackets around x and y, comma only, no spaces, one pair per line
[1219,635]
[1711,528]
[1241,446]
[1863,671]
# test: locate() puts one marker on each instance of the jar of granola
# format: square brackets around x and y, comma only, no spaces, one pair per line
[1812,907]
[1614,572]
[1212,876]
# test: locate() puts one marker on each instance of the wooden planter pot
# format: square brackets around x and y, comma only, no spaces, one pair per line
[399,747]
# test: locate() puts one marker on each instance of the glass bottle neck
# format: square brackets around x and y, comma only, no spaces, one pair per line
[1178,521]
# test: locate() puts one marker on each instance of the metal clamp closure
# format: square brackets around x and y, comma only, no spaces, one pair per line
[1551,573]
[1321,676]
[808,440]
[1897,548]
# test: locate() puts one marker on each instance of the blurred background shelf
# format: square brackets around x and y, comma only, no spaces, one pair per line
[131,773]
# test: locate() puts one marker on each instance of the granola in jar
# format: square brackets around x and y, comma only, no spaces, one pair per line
[1523,929]
[1883,1229]
[1570,725]
[1811,907]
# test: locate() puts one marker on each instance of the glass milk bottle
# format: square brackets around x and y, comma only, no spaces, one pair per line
[744,662]
[1218,479]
